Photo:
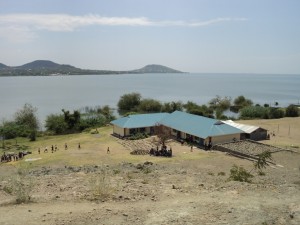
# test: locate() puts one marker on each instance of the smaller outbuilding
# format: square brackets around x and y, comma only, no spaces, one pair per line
[250,132]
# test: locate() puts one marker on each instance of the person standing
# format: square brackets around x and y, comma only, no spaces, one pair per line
[108,151]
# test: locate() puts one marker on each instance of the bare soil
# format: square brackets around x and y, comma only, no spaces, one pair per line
[118,188]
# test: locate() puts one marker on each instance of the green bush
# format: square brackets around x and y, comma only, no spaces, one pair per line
[254,112]
[240,174]
[276,113]
[138,136]
[292,111]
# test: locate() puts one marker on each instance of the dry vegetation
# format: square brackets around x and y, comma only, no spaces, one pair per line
[89,186]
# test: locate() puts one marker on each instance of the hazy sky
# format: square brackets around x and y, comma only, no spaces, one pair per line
[248,36]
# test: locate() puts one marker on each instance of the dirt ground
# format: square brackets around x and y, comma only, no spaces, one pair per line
[89,186]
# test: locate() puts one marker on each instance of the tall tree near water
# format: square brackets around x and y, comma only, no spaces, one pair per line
[27,118]
[241,102]
[149,105]
[129,102]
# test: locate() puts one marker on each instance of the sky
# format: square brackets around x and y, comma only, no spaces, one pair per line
[197,36]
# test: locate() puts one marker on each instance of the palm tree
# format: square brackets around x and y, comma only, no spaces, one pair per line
[262,160]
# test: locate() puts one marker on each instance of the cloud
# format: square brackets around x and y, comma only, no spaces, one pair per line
[26,25]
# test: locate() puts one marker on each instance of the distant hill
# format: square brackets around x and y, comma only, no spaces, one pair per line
[2,66]
[43,64]
[156,69]
[48,68]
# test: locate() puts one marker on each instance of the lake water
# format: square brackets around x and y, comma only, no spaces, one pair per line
[52,93]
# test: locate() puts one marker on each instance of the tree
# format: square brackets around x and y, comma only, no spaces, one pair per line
[27,118]
[107,112]
[129,102]
[163,133]
[172,106]
[9,130]
[220,103]
[292,111]
[241,102]
[261,162]
[71,119]
[200,110]
[56,123]
[276,113]
[149,106]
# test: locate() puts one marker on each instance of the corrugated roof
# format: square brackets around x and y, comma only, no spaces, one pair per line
[198,126]
[246,128]
[139,120]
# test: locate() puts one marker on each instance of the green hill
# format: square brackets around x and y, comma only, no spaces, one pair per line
[156,69]
[48,68]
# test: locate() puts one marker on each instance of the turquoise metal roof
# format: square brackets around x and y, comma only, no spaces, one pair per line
[139,120]
[198,126]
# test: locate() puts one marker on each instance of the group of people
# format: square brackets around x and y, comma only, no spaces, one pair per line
[54,148]
[161,152]
[11,156]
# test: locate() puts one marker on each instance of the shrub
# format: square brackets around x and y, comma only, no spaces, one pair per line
[254,112]
[221,174]
[276,113]
[138,136]
[149,106]
[240,174]
[100,186]
[146,170]
[292,111]
[21,186]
